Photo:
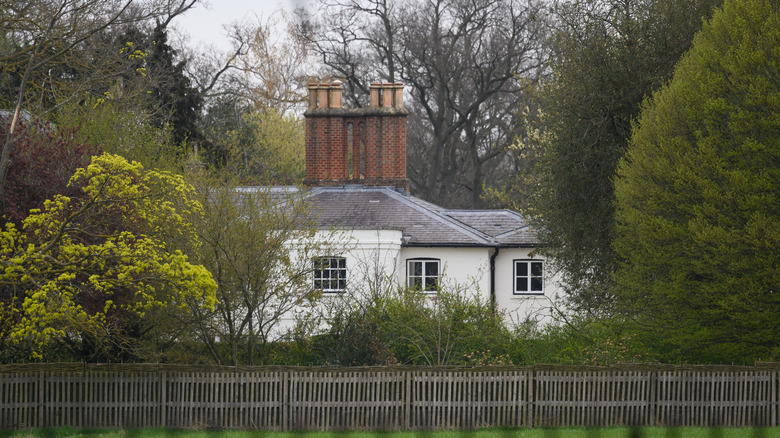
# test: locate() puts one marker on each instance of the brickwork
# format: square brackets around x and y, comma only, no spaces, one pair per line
[378,138]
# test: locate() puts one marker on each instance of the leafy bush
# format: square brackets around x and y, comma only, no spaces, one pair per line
[585,341]
[487,359]
[44,158]
[408,327]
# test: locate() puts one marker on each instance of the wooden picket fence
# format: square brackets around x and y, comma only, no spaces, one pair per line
[295,398]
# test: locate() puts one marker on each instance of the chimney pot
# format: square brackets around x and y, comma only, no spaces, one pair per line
[322,96]
[398,102]
[387,95]
[374,94]
[312,95]
[335,94]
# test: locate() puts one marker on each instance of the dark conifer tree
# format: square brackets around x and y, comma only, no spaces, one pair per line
[698,197]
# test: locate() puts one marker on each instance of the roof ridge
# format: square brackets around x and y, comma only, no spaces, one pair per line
[452,222]
[483,210]
[503,211]
[513,230]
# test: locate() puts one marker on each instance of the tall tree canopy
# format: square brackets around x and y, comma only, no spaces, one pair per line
[52,51]
[91,273]
[174,101]
[607,56]
[466,65]
[698,195]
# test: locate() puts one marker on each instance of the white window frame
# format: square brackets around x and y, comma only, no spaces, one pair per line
[529,276]
[331,273]
[423,276]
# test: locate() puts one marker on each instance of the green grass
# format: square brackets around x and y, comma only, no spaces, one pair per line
[569,432]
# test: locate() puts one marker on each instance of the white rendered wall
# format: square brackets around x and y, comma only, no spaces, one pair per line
[370,254]
[470,268]
[372,259]
[522,307]
[376,261]
[467,268]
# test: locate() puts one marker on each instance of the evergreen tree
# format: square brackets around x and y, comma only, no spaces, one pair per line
[150,64]
[698,196]
[179,102]
[608,55]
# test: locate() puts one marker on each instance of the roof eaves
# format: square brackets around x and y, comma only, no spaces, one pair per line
[448,245]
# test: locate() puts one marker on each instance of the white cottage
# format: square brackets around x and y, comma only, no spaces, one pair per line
[356,169]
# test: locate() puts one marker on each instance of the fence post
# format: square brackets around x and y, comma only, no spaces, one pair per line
[286,402]
[40,406]
[775,403]
[408,398]
[531,403]
[83,402]
[651,403]
[163,399]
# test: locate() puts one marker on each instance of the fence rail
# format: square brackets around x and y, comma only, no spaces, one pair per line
[142,396]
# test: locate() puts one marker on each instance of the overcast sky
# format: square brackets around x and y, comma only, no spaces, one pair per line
[204,22]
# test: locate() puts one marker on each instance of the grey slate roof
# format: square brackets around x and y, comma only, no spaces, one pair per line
[422,223]
[505,226]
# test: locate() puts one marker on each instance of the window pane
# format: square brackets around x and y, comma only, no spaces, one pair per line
[522,284]
[522,269]
[415,283]
[415,268]
[330,273]
[432,268]
[536,284]
[536,269]
[430,283]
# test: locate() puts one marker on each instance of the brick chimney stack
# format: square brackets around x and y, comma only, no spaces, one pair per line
[356,145]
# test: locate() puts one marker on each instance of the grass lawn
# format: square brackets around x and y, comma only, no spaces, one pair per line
[569,432]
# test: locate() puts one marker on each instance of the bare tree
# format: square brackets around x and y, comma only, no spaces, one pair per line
[276,66]
[468,64]
[258,244]
[253,113]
